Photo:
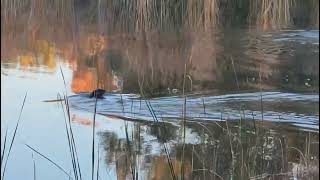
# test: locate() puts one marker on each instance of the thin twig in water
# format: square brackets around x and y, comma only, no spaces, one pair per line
[93,135]
[4,146]
[204,106]
[98,163]
[231,149]
[184,121]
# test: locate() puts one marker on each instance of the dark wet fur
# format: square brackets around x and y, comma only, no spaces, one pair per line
[97,93]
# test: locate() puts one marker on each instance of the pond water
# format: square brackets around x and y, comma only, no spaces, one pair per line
[247,99]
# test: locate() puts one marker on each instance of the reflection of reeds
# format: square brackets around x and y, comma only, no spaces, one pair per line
[315,13]
[272,13]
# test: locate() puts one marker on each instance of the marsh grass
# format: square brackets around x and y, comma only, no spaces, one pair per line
[4,142]
[155,119]
[49,160]
[110,16]
[248,161]
[315,13]
[184,111]
[219,140]
[93,137]
[272,14]
[5,158]
[69,131]
[70,137]
[248,154]
[243,165]
[34,168]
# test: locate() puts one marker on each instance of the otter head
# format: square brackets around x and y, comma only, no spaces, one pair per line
[97,93]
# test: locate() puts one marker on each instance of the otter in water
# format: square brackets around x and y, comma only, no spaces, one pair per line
[95,93]
[98,93]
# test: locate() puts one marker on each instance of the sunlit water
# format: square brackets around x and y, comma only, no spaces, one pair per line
[285,100]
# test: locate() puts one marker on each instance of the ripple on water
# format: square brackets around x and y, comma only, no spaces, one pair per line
[300,110]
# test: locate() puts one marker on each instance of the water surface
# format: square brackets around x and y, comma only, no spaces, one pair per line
[249,99]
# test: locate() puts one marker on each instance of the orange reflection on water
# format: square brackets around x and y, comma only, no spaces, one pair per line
[84,81]
[83,121]
[160,169]
[26,61]
[48,52]
[43,54]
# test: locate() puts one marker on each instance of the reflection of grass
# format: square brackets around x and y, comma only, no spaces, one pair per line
[155,119]
[222,153]
[163,132]
[266,154]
